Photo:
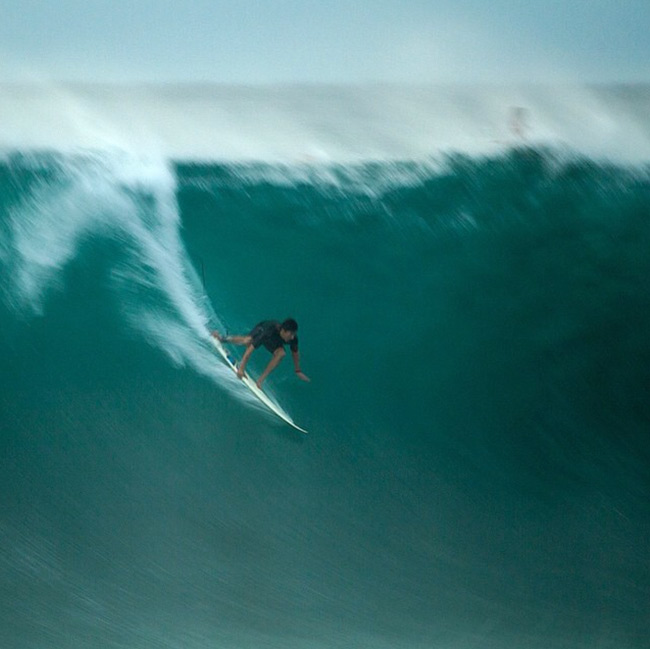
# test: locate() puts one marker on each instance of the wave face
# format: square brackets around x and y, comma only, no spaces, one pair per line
[477,468]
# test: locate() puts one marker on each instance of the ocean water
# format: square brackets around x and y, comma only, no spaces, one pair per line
[474,316]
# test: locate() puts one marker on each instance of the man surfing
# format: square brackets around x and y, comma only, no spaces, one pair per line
[274,336]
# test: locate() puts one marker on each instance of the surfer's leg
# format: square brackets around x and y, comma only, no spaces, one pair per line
[278,355]
[238,340]
[235,340]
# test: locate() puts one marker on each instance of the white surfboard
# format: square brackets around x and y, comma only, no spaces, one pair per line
[250,384]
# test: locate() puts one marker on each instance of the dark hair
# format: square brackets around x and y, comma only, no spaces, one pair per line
[289,325]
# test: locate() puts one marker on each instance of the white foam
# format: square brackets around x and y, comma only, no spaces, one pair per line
[131,201]
[323,123]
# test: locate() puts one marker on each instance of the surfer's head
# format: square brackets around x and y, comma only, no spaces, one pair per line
[288,329]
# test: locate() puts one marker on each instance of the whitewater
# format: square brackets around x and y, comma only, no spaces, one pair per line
[307,124]
[468,267]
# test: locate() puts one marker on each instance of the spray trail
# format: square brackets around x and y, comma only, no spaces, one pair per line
[125,201]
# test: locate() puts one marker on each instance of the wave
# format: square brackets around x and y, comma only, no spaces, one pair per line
[326,123]
[475,328]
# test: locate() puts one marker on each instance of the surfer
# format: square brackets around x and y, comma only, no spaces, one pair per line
[274,336]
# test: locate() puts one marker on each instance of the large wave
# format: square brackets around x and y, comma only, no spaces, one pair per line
[477,468]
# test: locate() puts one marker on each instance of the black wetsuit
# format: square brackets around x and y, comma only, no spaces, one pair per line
[267,333]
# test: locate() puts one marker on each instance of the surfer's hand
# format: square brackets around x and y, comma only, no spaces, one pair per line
[302,377]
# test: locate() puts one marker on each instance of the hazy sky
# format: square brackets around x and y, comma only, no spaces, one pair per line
[316,41]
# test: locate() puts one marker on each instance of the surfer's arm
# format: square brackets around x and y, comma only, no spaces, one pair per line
[296,365]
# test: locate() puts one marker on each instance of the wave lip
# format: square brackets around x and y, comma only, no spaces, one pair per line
[326,123]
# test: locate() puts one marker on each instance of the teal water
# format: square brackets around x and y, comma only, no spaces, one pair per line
[477,468]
